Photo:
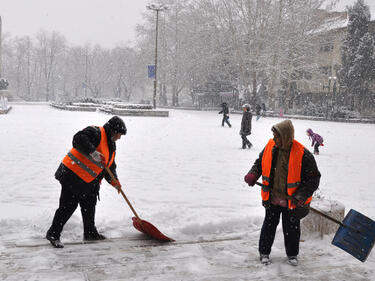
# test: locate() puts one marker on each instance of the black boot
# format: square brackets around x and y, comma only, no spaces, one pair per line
[54,239]
[93,236]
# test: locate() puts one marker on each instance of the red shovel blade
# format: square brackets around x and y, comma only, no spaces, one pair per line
[150,230]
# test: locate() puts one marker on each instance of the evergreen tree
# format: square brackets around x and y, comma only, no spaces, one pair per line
[358,64]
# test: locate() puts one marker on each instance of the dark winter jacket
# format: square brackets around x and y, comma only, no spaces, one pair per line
[246,123]
[86,141]
[310,175]
[257,109]
[316,138]
[224,109]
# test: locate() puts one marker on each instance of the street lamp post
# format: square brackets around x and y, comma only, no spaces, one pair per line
[334,89]
[157,8]
[330,78]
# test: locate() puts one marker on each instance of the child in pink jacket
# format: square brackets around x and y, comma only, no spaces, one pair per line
[317,140]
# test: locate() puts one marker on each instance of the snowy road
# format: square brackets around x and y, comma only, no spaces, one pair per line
[185,175]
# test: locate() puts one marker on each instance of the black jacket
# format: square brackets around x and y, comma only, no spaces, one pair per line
[257,109]
[86,141]
[246,123]
[224,109]
[310,175]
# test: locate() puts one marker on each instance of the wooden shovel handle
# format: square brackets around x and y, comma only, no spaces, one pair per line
[122,193]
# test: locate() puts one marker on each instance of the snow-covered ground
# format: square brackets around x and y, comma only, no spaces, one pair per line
[184,174]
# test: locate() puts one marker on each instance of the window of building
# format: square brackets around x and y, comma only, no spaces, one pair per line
[325,70]
[326,47]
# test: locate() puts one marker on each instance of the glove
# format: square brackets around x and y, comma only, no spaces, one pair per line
[299,200]
[250,179]
[97,156]
[300,203]
[266,204]
[115,183]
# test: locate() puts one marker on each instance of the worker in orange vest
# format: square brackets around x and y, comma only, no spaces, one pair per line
[80,174]
[289,178]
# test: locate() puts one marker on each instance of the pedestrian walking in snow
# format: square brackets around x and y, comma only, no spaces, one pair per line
[257,111]
[246,126]
[288,170]
[317,140]
[225,111]
[80,174]
[263,109]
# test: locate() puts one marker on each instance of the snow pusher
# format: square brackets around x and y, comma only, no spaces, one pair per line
[356,234]
[139,224]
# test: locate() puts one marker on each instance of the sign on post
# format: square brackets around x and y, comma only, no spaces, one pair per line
[151,71]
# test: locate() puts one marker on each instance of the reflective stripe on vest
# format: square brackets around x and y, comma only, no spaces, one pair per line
[266,170]
[83,165]
[294,170]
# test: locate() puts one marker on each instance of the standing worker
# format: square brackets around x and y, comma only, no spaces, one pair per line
[225,112]
[246,126]
[80,175]
[290,176]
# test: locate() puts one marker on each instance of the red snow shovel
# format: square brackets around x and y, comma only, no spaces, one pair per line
[142,225]
[356,234]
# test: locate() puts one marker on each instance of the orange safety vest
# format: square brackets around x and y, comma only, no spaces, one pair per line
[294,170]
[83,165]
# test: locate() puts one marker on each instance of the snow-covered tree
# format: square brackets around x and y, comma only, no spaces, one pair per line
[358,61]
[50,46]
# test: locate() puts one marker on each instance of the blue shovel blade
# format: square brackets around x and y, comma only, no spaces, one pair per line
[357,236]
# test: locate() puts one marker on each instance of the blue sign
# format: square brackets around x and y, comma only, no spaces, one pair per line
[151,71]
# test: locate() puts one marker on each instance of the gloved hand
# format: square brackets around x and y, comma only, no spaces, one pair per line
[115,183]
[266,204]
[299,200]
[97,156]
[300,203]
[250,179]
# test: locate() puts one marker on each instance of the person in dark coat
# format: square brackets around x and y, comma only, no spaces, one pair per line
[246,126]
[263,109]
[257,111]
[317,140]
[290,176]
[80,175]
[225,112]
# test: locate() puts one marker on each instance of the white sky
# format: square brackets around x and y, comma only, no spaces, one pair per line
[104,22]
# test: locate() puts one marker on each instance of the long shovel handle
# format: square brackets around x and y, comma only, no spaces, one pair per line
[311,208]
[122,193]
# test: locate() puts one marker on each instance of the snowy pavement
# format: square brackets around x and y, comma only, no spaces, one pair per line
[184,174]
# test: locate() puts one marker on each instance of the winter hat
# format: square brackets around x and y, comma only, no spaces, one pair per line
[247,106]
[116,125]
[309,132]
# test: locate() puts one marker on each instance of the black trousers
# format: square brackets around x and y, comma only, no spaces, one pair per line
[291,230]
[86,196]
[316,147]
[226,120]
[245,142]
